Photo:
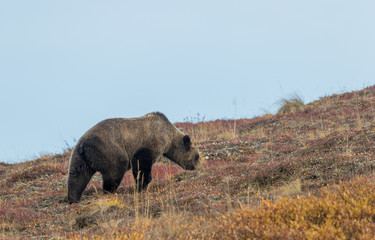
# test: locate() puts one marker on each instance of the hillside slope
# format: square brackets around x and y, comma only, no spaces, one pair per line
[321,157]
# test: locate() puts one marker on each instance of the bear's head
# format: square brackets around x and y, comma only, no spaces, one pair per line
[183,153]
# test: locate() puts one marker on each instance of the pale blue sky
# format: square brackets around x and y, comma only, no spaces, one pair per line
[65,65]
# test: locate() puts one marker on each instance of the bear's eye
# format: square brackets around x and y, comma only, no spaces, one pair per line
[73,172]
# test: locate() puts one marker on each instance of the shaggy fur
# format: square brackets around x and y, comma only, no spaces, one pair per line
[117,145]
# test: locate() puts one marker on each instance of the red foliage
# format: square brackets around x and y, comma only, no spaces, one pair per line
[19,214]
[36,171]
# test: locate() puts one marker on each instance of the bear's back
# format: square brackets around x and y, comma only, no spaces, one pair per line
[148,129]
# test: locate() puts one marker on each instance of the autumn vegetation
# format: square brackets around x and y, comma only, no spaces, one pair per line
[306,172]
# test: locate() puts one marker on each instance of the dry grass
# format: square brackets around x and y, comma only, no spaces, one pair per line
[291,105]
[343,211]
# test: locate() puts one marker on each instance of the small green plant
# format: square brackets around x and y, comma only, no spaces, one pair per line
[291,105]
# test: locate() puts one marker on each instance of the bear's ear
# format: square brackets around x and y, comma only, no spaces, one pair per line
[187,142]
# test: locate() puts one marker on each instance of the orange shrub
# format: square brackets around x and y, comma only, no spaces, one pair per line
[345,212]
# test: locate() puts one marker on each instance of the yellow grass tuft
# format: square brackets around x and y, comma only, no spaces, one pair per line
[291,105]
[291,188]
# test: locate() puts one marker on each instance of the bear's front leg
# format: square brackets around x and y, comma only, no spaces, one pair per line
[142,178]
[141,167]
[112,180]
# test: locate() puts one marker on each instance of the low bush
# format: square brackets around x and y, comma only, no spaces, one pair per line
[345,212]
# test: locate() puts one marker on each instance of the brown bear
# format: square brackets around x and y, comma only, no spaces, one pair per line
[116,145]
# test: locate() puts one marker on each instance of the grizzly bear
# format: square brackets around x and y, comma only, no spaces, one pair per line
[116,145]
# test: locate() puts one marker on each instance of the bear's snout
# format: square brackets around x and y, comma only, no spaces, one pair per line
[195,162]
[196,158]
[190,167]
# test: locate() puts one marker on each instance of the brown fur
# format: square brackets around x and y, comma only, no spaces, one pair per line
[117,145]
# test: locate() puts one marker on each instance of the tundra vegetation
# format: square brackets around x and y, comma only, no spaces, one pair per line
[304,173]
